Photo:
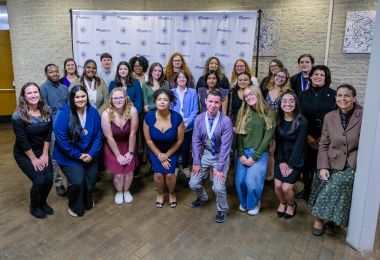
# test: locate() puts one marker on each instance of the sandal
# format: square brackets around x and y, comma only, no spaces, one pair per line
[160,204]
[280,214]
[172,204]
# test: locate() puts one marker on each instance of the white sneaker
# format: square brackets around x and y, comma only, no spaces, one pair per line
[256,210]
[186,172]
[241,208]
[127,197]
[119,198]
[72,213]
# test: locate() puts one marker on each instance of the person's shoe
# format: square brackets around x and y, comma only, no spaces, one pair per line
[119,198]
[300,194]
[317,232]
[256,210]
[186,172]
[72,213]
[280,214]
[287,216]
[197,203]
[220,217]
[176,171]
[37,212]
[172,203]
[127,197]
[47,209]
[242,209]
[330,228]
[61,191]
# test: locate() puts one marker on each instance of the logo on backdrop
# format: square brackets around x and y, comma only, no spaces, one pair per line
[163,55]
[163,43]
[83,43]
[123,55]
[145,18]
[184,30]
[226,16]
[145,55]
[103,42]
[242,43]
[123,30]
[205,18]
[83,54]
[199,67]
[204,30]
[185,18]
[83,29]
[82,17]
[164,18]
[245,17]
[223,42]
[143,43]
[202,43]
[242,54]
[224,30]
[182,43]
[120,17]
[202,55]
[122,43]
[244,30]
[164,30]
[103,30]
[222,55]
[144,30]
[103,18]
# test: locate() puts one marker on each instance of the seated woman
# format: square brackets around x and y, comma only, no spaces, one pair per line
[290,139]
[274,66]
[213,83]
[164,130]
[330,199]
[78,141]
[139,65]
[123,79]
[255,129]
[155,81]
[95,87]
[241,66]
[71,72]
[119,124]
[32,125]
[176,63]
[213,64]
[187,105]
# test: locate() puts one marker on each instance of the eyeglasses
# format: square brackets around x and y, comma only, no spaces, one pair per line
[280,77]
[118,98]
[177,61]
[249,95]
[274,66]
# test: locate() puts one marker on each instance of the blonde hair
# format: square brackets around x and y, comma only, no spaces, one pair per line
[127,106]
[261,108]
[284,88]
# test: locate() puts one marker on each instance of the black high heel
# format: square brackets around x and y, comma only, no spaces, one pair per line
[280,214]
[287,216]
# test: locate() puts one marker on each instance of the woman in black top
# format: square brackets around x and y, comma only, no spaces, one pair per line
[300,81]
[290,138]
[243,81]
[274,67]
[316,102]
[213,64]
[32,125]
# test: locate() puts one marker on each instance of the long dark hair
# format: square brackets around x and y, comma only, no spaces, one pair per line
[23,107]
[297,115]
[129,79]
[161,80]
[75,128]
[209,73]
[96,78]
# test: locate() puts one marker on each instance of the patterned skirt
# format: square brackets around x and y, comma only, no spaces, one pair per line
[331,200]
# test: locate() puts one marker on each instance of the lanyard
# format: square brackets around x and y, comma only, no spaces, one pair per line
[211,132]
[303,87]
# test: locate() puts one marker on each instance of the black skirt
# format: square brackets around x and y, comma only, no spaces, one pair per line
[291,179]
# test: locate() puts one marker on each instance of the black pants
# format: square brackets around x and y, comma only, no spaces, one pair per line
[42,181]
[184,149]
[309,169]
[81,182]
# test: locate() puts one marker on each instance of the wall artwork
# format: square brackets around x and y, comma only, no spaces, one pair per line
[269,33]
[359,31]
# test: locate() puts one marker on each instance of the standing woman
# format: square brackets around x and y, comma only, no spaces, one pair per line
[71,72]
[78,142]
[330,200]
[255,129]
[300,81]
[187,105]
[290,138]
[213,64]
[139,65]
[241,66]
[164,131]
[124,79]
[176,63]
[119,124]
[155,81]
[237,96]
[96,88]
[32,125]
[213,83]
[274,66]
[316,102]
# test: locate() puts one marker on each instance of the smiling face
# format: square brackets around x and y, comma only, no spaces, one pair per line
[305,65]
[240,67]
[118,99]
[52,73]
[318,78]
[273,67]
[70,67]
[123,71]
[280,78]
[177,62]
[250,97]
[80,99]
[345,100]
[213,104]
[32,95]
[137,68]
[162,102]
[106,63]
[243,81]
[181,80]
[288,103]
[211,81]
[213,65]
[90,70]
[157,73]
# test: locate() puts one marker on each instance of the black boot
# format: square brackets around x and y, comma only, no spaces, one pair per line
[73,192]
[45,193]
[35,203]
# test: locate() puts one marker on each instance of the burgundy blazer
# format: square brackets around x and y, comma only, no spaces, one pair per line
[338,146]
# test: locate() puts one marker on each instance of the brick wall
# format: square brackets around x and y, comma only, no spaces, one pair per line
[40,32]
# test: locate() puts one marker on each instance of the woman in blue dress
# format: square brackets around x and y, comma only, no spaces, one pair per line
[164,133]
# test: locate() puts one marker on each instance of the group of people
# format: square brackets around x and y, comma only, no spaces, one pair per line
[281,129]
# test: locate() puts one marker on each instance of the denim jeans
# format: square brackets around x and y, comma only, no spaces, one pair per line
[249,181]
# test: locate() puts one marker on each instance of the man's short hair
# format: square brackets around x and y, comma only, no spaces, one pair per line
[214,93]
[48,66]
[105,55]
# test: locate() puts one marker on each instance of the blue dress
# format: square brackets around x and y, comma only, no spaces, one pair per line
[163,140]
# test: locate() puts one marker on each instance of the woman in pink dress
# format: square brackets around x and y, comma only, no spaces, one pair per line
[119,125]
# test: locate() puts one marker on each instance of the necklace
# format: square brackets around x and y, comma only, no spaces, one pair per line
[316,93]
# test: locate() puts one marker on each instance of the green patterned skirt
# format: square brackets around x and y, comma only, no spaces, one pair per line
[331,200]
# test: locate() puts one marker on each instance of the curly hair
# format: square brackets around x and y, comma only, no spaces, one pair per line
[234,74]
[165,91]
[169,71]
[285,87]
[127,106]
[23,107]
[144,63]
[219,71]
[128,80]
[261,108]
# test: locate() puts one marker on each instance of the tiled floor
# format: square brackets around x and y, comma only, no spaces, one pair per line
[140,231]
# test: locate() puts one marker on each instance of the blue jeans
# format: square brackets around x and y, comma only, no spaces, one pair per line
[249,181]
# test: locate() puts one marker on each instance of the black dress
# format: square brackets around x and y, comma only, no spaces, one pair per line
[236,104]
[290,148]
[224,83]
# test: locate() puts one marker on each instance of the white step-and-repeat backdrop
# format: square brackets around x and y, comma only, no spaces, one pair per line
[156,35]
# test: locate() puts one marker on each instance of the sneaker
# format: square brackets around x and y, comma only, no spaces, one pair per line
[256,210]
[127,197]
[61,191]
[186,172]
[119,198]
[72,213]
[242,209]
[220,217]
[197,203]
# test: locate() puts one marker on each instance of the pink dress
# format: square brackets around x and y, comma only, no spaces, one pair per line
[121,137]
